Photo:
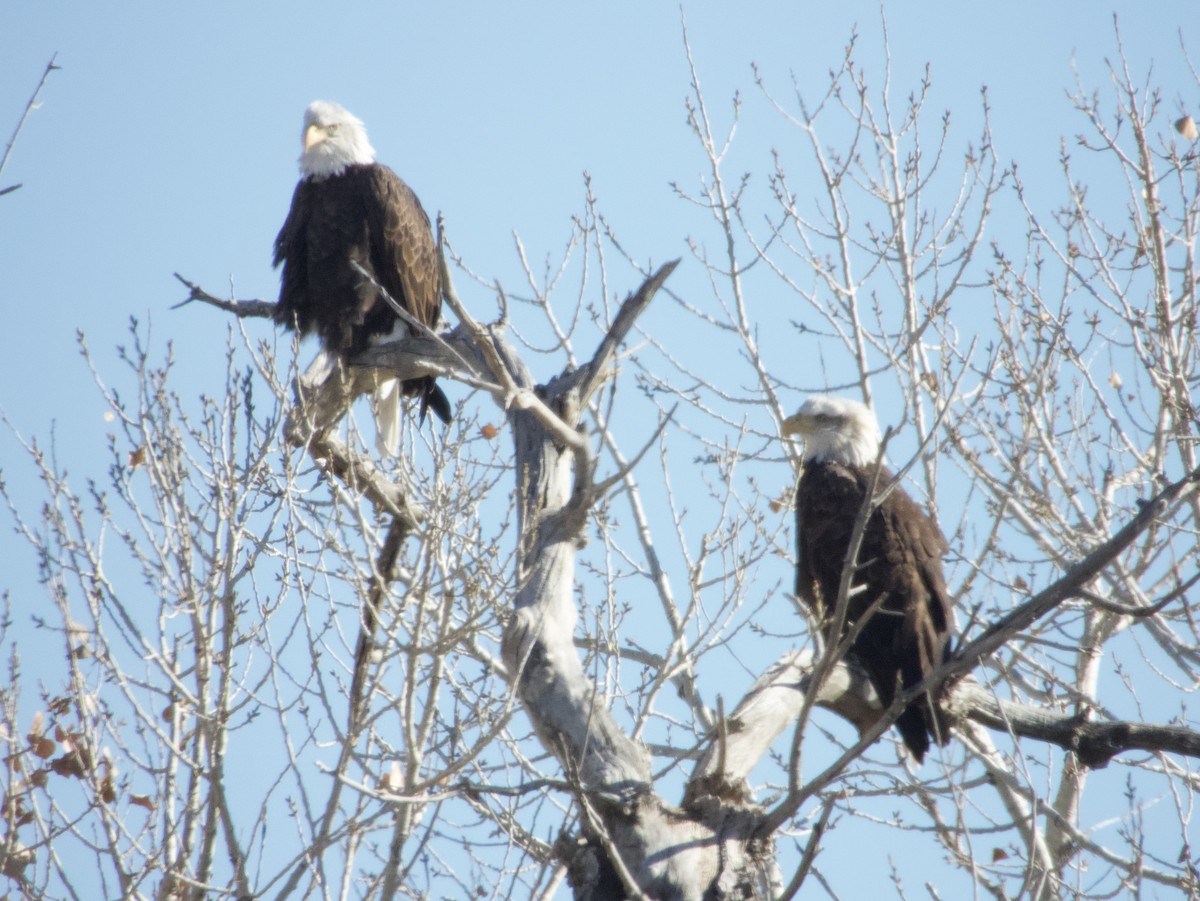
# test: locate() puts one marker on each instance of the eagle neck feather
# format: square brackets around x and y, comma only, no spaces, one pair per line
[852,449]
[327,160]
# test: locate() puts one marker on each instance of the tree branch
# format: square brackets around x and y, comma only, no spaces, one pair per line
[1095,744]
[29,108]
[1071,583]
[245,309]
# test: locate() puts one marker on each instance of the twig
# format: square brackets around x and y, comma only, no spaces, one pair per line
[810,851]
[263,309]
[1072,581]
[620,474]
[514,396]
[593,373]
[411,321]
[29,108]
[381,579]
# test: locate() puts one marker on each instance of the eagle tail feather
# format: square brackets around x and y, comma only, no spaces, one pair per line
[387,418]
[914,730]
[433,398]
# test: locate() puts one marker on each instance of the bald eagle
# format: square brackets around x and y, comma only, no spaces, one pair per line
[899,565]
[348,209]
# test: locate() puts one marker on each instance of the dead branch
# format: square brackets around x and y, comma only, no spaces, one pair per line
[245,309]
[1095,744]
[1072,582]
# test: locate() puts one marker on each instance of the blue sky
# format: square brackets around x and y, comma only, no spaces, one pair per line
[168,141]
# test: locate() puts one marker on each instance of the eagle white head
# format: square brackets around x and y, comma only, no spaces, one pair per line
[334,138]
[836,430]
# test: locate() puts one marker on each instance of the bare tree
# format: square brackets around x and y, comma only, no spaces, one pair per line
[501,661]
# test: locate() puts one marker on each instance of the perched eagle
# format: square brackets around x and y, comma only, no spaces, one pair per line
[348,209]
[899,561]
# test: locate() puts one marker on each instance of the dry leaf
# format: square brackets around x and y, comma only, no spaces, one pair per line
[15,859]
[1187,127]
[488,431]
[137,457]
[68,765]
[999,854]
[42,747]
[392,779]
[60,706]
[143,801]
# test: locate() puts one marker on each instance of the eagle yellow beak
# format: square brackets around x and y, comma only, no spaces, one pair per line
[314,135]
[797,424]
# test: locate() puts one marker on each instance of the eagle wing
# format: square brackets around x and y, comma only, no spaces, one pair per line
[899,568]
[320,291]
[913,637]
[291,250]
[403,253]
[828,498]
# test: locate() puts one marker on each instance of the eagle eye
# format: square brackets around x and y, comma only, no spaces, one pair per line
[332,128]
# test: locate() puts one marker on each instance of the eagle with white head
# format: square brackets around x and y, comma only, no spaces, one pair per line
[898,569]
[349,209]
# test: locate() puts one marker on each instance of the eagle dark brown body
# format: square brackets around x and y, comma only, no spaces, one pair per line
[900,561]
[369,215]
[897,604]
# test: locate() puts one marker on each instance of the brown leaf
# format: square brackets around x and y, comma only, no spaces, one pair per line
[999,854]
[42,747]
[143,801]
[137,457]
[68,765]
[488,431]
[781,503]
[60,706]
[14,862]
[77,762]
[13,809]
[1187,127]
